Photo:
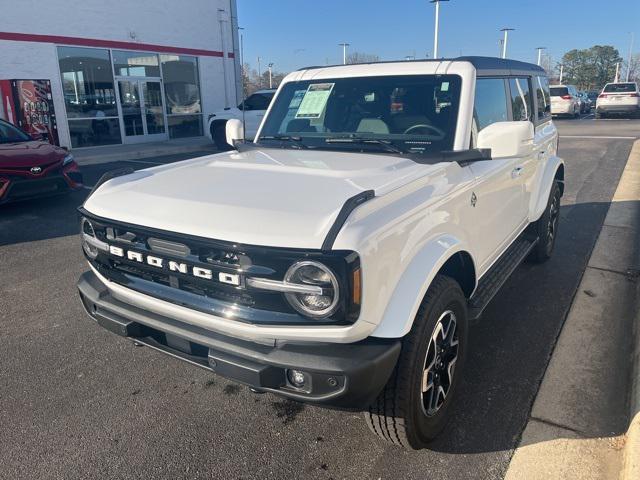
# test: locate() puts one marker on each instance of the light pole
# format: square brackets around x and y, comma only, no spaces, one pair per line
[630,54]
[259,74]
[270,75]
[615,80]
[506,40]
[344,46]
[540,49]
[437,27]
[561,73]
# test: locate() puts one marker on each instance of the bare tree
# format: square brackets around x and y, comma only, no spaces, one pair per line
[359,57]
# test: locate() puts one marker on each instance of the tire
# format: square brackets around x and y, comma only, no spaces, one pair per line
[219,136]
[399,414]
[546,227]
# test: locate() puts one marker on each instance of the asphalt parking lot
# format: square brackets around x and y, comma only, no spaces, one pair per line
[79,402]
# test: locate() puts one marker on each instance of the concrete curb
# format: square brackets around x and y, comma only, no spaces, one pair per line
[577,424]
[631,458]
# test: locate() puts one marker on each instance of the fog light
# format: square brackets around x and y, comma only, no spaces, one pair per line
[296,378]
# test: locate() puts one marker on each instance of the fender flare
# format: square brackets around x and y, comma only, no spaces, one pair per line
[539,201]
[409,292]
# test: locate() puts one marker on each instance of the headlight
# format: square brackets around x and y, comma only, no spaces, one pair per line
[67,159]
[310,273]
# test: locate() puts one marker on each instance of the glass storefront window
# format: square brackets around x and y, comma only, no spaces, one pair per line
[181,84]
[87,82]
[94,132]
[135,64]
[181,126]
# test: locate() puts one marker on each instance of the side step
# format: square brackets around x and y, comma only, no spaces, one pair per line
[493,280]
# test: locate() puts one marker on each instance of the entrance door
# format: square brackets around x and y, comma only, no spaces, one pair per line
[142,110]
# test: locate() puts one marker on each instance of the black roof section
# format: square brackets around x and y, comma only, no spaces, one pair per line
[485,66]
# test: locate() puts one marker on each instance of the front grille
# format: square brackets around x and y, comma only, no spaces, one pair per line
[209,295]
[20,188]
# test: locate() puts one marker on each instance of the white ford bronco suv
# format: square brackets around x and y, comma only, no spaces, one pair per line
[338,259]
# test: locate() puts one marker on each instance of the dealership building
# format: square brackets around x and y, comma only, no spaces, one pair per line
[95,73]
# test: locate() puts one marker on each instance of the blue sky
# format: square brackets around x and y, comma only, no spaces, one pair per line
[297,33]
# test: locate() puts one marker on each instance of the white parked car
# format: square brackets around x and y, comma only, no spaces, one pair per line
[618,99]
[339,258]
[254,107]
[565,100]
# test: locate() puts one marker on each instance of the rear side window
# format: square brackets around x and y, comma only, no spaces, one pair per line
[543,98]
[521,102]
[491,103]
[620,88]
[559,91]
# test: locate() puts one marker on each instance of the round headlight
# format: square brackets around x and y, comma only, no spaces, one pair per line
[313,274]
[86,230]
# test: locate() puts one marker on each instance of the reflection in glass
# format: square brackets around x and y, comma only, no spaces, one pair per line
[135,64]
[87,82]
[181,126]
[131,111]
[181,84]
[152,95]
[94,132]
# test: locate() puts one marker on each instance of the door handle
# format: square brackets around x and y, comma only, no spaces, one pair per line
[516,172]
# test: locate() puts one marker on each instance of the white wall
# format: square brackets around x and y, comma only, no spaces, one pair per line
[185,24]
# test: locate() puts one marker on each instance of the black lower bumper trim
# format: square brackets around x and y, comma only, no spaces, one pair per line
[348,376]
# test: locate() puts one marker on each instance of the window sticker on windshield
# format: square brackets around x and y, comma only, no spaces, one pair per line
[297,99]
[315,100]
[444,87]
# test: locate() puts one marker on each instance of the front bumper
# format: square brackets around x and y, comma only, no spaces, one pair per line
[13,189]
[348,376]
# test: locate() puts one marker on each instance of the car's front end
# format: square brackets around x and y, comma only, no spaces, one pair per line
[242,262]
[32,169]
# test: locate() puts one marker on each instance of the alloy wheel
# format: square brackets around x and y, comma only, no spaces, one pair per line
[440,362]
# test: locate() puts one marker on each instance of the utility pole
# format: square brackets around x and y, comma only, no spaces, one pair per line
[540,49]
[270,75]
[344,46]
[506,40]
[561,73]
[437,27]
[630,55]
[615,80]
[259,74]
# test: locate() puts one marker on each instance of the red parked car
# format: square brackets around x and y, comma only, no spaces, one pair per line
[32,168]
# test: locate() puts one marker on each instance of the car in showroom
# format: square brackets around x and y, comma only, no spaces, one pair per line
[251,112]
[338,258]
[621,99]
[32,168]
[565,100]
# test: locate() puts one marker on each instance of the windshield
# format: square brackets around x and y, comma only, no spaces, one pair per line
[620,88]
[12,134]
[559,91]
[401,114]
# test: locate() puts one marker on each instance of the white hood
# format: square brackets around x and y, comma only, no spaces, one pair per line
[270,197]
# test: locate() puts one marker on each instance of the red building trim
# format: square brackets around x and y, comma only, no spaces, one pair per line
[93,42]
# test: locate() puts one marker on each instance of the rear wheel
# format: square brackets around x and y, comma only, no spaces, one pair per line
[414,405]
[547,227]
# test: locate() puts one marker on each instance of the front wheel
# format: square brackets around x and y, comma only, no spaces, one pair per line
[414,406]
[547,227]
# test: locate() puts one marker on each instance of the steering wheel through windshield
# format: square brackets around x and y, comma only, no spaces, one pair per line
[426,127]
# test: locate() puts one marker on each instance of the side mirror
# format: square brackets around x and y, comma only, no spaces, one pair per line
[234,131]
[507,139]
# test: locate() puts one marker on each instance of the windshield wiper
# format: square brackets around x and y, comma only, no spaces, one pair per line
[297,141]
[386,144]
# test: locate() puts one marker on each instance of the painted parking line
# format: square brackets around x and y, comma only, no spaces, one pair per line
[144,161]
[598,136]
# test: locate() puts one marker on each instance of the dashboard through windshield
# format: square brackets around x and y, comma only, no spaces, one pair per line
[399,114]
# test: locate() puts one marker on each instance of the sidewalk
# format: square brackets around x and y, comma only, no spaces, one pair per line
[579,420]
[111,153]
